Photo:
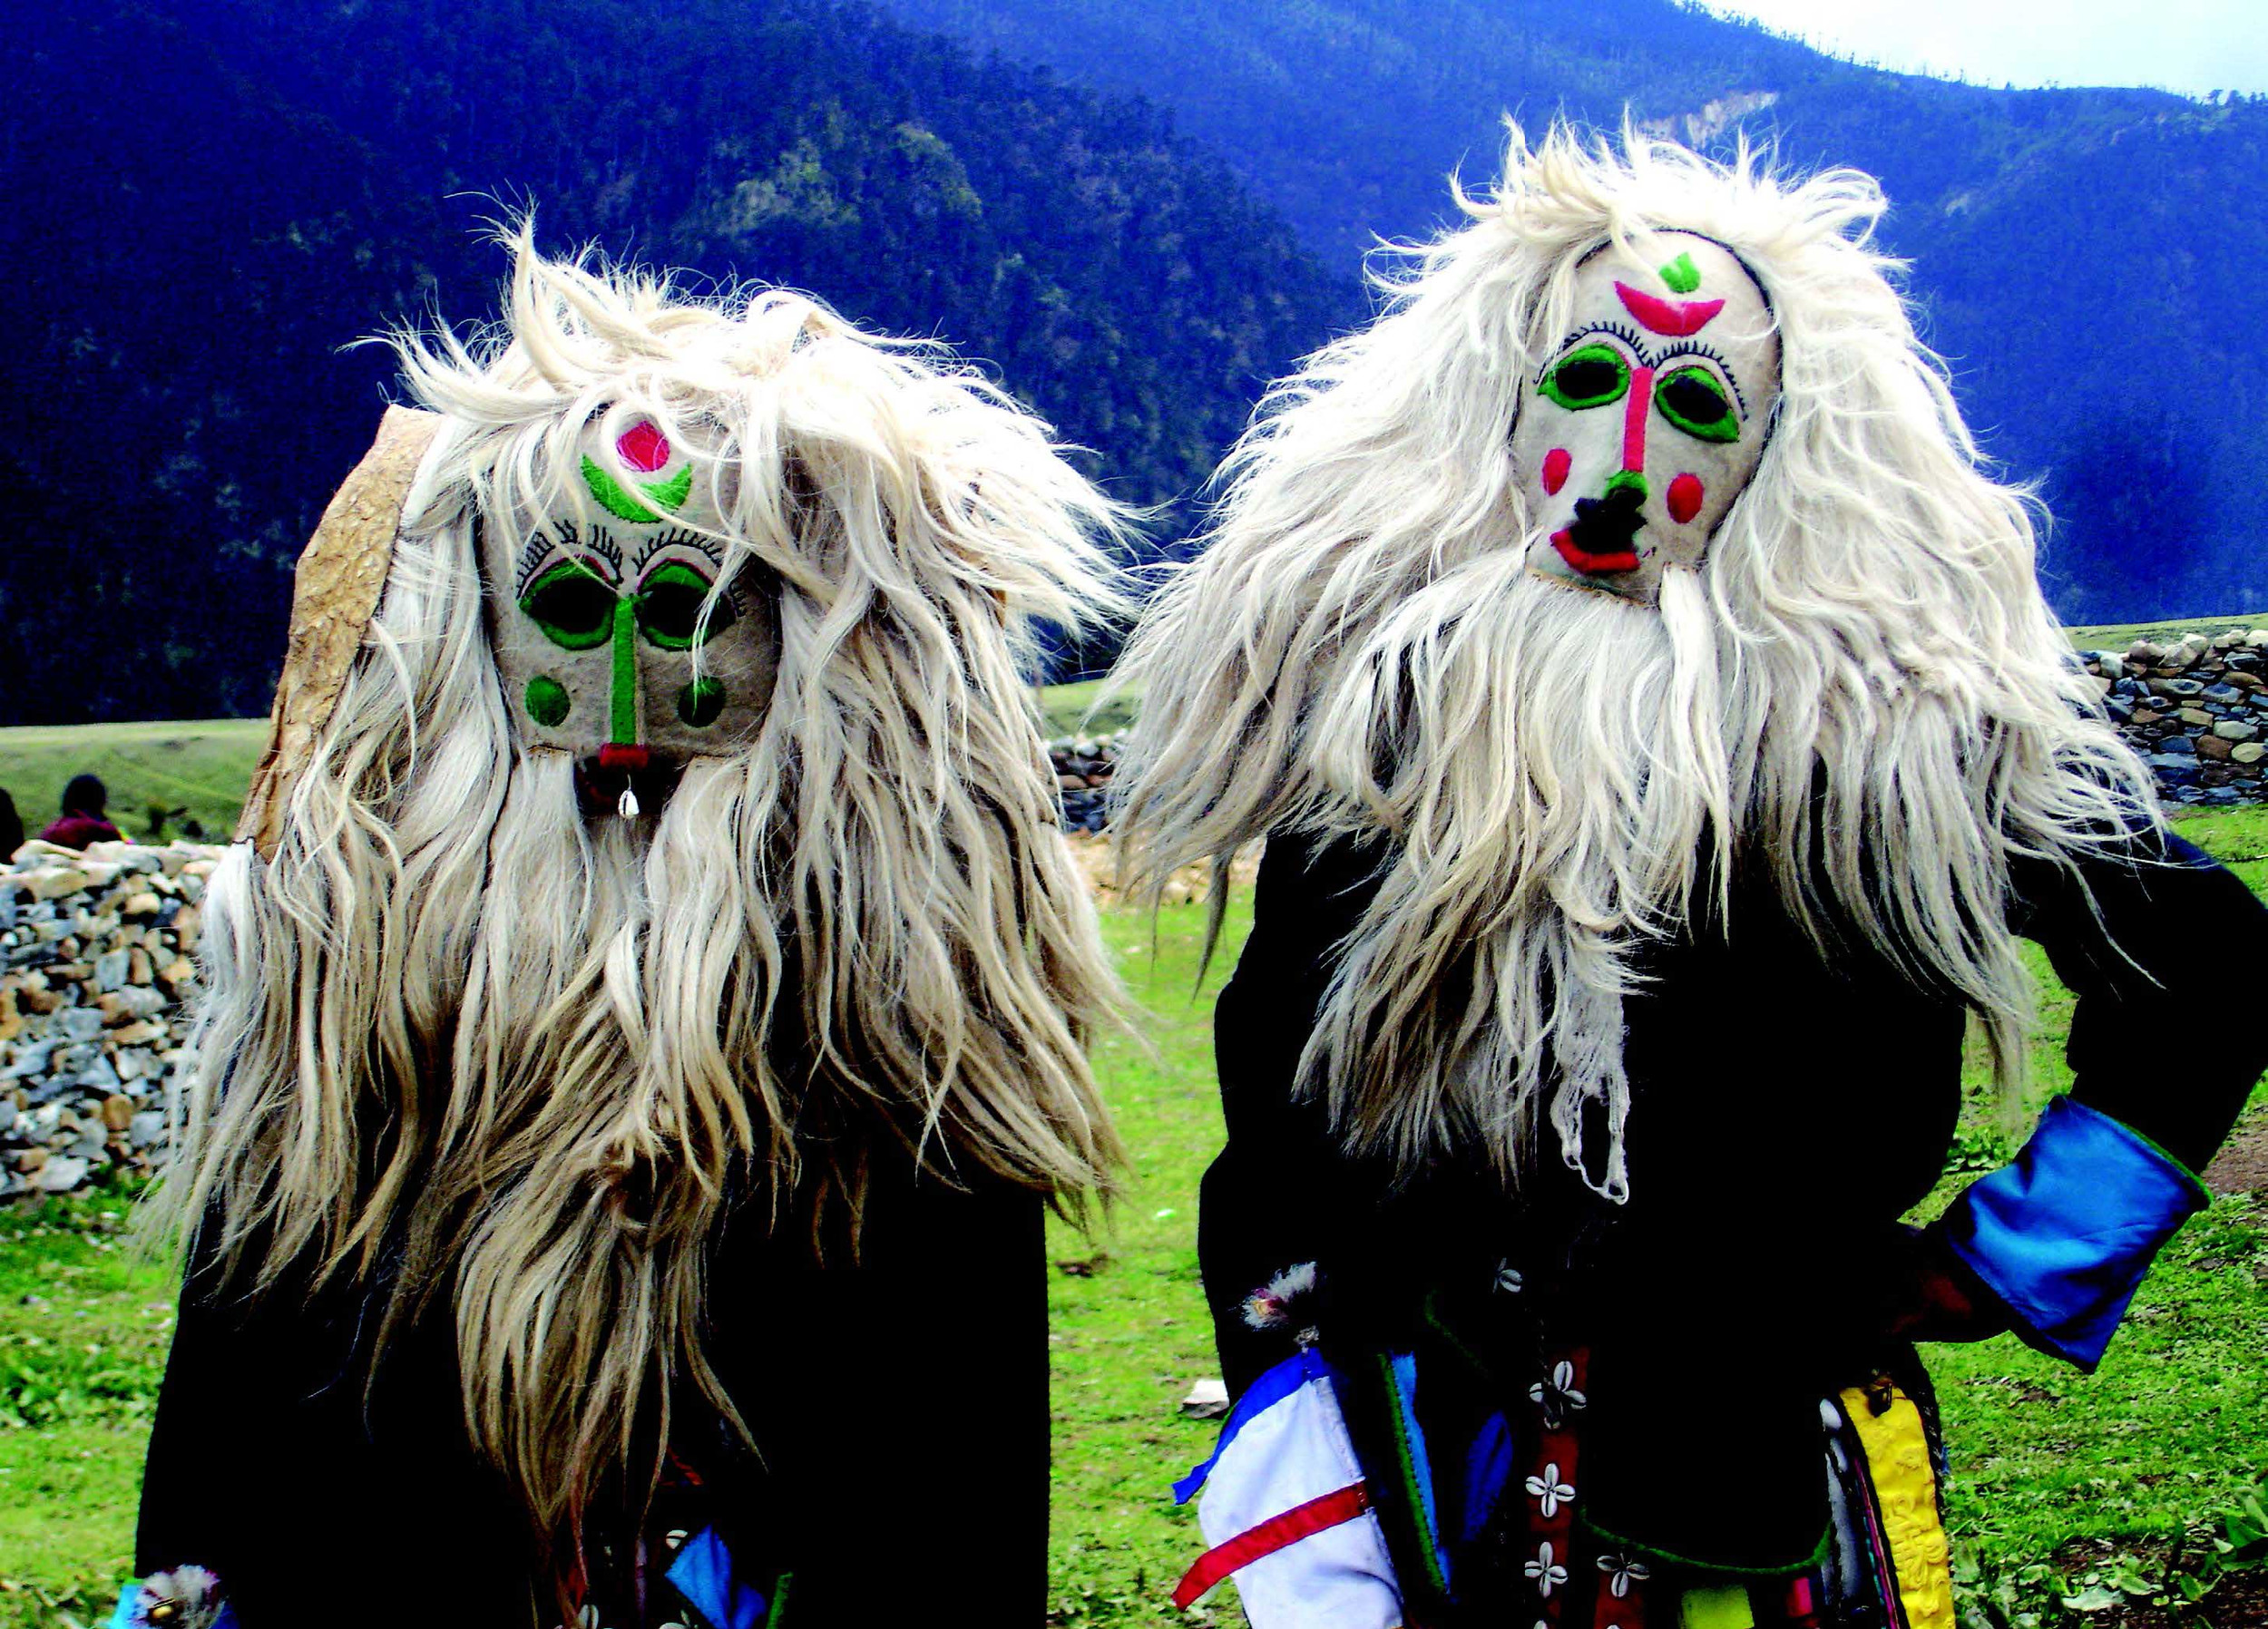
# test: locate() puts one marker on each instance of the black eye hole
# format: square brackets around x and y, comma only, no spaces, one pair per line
[1585,379]
[1695,403]
[669,608]
[1589,377]
[572,605]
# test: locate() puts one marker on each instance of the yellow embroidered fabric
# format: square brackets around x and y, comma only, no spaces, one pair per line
[1905,1491]
[1717,1608]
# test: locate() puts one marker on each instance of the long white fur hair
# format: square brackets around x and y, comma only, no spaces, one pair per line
[1861,687]
[469,1040]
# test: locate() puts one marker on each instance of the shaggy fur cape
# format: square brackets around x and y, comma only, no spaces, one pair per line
[486,1049]
[1861,682]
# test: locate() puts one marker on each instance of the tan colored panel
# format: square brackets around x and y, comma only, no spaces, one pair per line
[334,593]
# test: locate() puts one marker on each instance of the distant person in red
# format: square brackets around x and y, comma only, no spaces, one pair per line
[82,821]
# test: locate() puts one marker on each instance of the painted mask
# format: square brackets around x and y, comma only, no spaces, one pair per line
[1648,418]
[607,641]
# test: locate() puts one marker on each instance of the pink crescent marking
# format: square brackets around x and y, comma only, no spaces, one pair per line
[1676,318]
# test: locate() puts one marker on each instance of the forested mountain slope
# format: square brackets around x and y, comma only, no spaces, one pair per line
[2081,255]
[227,193]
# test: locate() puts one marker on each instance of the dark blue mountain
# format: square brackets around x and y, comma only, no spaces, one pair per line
[2082,257]
[215,196]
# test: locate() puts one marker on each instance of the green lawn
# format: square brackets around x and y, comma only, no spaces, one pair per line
[199,770]
[1079,708]
[195,771]
[2151,1451]
[2117,636]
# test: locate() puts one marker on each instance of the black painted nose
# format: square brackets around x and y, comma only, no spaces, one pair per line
[1606,525]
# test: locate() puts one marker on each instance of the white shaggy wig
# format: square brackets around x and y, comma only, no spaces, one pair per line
[469,1041]
[1861,687]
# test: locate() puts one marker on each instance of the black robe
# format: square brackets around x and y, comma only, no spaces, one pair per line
[1787,1110]
[899,1404]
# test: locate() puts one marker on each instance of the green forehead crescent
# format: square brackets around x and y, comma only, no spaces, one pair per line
[645,505]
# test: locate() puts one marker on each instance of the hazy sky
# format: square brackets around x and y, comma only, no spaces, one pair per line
[2187,45]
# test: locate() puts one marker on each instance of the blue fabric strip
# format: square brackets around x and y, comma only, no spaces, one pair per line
[2065,1234]
[1261,1395]
[1404,1365]
[129,1613]
[1488,1468]
[702,1572]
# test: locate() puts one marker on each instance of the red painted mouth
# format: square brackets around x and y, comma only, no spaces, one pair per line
[1592,565]
[628,760]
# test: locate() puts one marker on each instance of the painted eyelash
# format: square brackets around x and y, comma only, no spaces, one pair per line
[708,548]
[533,554]
[1622,331]
[678,537]
[565,535]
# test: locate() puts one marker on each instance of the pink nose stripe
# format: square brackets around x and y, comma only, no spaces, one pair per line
[1634,411]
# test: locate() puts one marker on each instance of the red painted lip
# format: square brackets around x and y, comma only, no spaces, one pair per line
[1593,565]
[629,760]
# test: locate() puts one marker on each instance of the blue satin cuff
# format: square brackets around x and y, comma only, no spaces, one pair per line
[2065,1234]
[703,1574]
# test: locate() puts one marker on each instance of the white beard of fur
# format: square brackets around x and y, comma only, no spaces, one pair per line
[1860,684]
[1550,761]
[539,1048]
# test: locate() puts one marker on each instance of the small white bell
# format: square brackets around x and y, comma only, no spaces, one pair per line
[627,804]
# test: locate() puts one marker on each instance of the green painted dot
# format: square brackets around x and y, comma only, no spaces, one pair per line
[699,702]
[548,702]
[1682,275]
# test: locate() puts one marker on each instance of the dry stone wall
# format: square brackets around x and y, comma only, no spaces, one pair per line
[100,948]
[95,997]
[2196,710]
[1083,766]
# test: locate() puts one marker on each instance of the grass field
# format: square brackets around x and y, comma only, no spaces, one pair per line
[2059,1478]
[2117,636]
[187,771]
[198,771]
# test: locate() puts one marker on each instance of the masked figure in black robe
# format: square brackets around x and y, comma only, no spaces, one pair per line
[648,1009]
[1661,744]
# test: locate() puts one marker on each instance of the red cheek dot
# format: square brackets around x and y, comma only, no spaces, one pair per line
[1556,465]
[643,447]
[1685,498]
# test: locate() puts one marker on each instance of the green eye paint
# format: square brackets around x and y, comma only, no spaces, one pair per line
[669,609]
[1682,276]
[1695,402]
[547,701]
[622,723]
[643,506]
[699,702]
[1590,376]
[572,604]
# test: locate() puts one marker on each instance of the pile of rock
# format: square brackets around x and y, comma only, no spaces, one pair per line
[96,993]
[1082,772]
[2196,710]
